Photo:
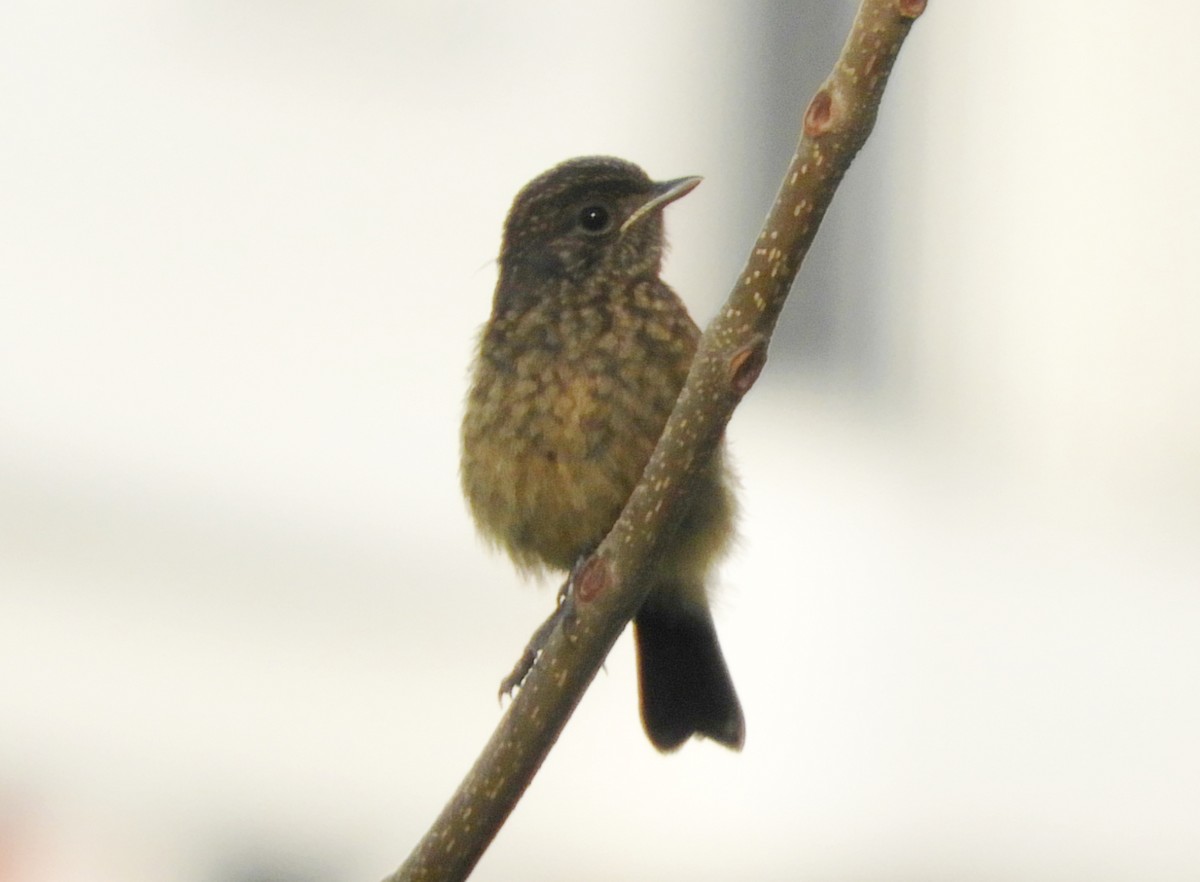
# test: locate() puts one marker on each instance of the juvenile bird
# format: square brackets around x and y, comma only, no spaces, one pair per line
[577,370]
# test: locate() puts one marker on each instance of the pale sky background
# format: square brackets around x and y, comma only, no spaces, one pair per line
[246,630]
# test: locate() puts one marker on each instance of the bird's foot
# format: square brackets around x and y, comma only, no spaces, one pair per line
[564,614]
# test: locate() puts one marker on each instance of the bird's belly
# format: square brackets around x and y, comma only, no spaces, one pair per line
[550,472]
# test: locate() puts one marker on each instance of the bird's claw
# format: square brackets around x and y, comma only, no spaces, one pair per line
[564,614]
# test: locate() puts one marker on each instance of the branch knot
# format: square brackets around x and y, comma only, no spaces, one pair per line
[746,364]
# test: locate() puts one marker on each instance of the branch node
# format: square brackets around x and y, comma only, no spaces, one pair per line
[818,118]
[910,8]
[593,579]
[746,364]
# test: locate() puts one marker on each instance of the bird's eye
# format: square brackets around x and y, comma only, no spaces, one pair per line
[595,219]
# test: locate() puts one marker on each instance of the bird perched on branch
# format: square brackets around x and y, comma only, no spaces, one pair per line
[577,370]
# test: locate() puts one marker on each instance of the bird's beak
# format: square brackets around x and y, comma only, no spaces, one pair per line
[664,193]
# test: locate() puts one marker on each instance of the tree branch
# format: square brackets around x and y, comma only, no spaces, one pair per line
[610,586]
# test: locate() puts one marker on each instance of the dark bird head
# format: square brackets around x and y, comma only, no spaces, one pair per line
[591,216]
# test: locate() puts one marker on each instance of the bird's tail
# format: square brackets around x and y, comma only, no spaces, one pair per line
[685,684]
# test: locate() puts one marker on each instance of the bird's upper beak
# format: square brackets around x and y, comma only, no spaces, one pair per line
[664,193]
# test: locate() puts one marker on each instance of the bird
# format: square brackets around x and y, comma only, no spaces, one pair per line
[576,371]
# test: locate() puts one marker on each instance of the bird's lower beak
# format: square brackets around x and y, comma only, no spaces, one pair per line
[665,193]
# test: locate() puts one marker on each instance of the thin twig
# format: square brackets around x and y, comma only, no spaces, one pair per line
[608,588]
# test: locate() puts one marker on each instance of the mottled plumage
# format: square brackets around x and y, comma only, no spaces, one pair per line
[578,368]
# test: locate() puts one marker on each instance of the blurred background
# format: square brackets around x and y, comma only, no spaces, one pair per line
[247,633]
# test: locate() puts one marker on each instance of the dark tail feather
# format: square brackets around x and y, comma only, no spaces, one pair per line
[685,685]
